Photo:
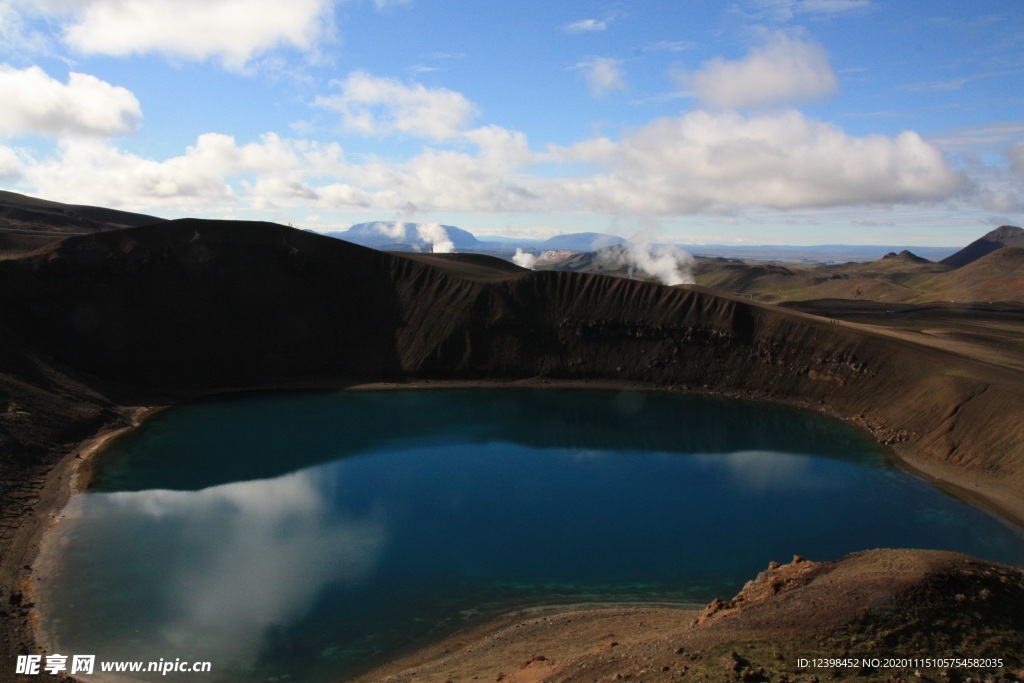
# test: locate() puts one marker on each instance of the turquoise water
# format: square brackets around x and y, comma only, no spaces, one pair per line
[308,536]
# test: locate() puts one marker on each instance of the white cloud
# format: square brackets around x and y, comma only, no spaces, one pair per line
[233,31]
[95,172]
[1016,156]
[10,165]
[997,187]
[604,75]
[715,162]
[446,180]
[34,103]
[380,106]
[700,162]
[586,26]
[500,148]
[783,70]
[16,38]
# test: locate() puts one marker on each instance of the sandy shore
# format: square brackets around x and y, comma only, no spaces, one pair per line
[17,571]
[534,645]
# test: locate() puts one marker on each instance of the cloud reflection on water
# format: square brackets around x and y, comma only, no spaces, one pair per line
[244,558]
[761,471]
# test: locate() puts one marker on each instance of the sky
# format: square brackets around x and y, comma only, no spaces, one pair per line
[697,122]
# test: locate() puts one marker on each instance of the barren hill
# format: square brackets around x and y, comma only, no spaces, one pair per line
[904,256]
[1005,236]
[27,223]
[895,278]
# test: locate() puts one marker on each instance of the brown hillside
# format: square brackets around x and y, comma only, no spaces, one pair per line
[95,324]
[996,276]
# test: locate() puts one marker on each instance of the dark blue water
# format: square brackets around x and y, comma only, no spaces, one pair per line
[312,535]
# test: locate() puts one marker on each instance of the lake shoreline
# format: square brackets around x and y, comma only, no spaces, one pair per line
[72,473]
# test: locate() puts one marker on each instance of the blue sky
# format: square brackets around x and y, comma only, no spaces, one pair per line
[753,121]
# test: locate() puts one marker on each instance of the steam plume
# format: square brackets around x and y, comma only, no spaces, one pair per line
[666,263]
[524,259]
[437,237]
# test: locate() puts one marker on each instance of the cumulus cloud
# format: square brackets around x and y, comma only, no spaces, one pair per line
[232,31]
[586,26]
[10,165]
[697,162]
[997,187]
[500,147]
[721,161]
[377,106]
[35,103]
[95,172]
[783,70]
[604,75]
[446,180]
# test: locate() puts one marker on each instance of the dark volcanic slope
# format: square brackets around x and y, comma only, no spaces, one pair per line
[1005,236]
[18,211]
[27,223]
[190,307]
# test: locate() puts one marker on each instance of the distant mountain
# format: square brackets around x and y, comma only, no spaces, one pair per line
[581,241]
[1005,236]
[400,236]
[905,256]
[822,253]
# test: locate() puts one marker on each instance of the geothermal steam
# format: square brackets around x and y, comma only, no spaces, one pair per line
[524,259]
[437,237]
[422,236]
[666,263]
